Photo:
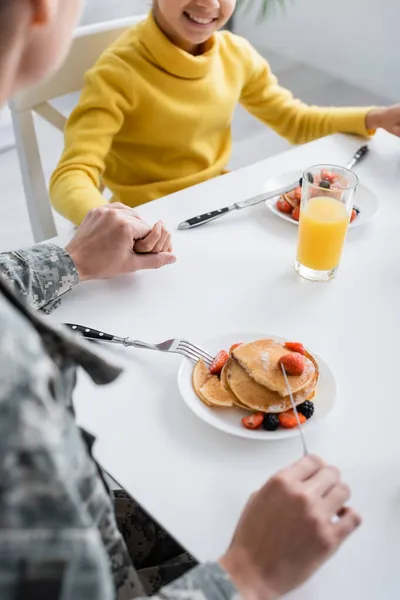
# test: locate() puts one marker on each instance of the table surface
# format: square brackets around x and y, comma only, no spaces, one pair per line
[236,275]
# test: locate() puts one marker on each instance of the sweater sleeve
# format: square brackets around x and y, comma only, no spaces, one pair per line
[299,123]
[105,101]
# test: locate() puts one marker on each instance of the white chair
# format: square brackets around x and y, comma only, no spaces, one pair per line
[89,42]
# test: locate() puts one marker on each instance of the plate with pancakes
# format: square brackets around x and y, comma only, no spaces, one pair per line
[287,206]
[244,393]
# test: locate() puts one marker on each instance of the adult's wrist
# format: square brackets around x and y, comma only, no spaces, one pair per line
[79,263]
[249,583]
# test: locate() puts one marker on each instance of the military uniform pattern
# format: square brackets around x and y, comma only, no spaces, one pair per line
[59,537]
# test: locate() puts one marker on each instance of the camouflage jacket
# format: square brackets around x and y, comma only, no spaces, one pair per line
[58,534]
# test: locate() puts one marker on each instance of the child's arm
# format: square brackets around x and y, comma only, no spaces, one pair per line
[100,114]
[265,99]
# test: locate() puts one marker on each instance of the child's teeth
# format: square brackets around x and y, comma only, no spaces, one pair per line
[199,20]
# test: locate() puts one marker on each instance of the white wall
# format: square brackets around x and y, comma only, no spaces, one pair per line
[356,40]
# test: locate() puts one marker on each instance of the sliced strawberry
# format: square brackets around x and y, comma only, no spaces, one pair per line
[296,347]
[328,176]
[283,206]
[219,362]
[254,421]
[288,419]
[354,214]
[231,349]
[293,363]
[297,194]
[296,213]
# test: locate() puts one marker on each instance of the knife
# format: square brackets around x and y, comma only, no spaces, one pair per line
[220,212]
[299,425]
[216,214]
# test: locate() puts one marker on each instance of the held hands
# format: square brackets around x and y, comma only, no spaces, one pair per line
[289,529]
[385,118]
[112,241]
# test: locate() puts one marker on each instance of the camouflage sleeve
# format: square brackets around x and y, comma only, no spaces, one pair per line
[41,274]
[206,582]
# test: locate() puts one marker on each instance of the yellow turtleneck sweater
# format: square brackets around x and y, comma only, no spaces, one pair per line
[153,119]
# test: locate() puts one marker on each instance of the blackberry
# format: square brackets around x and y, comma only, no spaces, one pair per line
[325,184]
[271,422]
[306,409]
[310,177]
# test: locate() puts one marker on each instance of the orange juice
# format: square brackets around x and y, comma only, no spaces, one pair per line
[322,231]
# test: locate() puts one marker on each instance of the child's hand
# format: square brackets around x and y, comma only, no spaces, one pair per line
[385,118]
[158,240]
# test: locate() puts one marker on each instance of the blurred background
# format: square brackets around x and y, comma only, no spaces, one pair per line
[329,53]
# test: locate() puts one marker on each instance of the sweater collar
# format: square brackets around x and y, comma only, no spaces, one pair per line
[172,59]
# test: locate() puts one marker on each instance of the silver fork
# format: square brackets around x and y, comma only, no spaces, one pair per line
[176,346]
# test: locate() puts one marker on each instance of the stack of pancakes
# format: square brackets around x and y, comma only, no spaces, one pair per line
[252,379]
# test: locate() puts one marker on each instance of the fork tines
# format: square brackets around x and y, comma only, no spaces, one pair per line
[194,352]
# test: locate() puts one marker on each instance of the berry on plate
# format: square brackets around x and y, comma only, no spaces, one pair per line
[253,421]
[296,213]
[288,419]
[354,214]
[219,362]
[292,363]
[306,409]
[270,422]
[283,206]
[296,347]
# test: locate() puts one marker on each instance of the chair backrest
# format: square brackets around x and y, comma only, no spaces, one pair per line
[88,44]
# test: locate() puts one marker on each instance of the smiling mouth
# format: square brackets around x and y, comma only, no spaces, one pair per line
[199,20]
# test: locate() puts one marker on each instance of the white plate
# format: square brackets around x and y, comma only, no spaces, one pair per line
[365,200]
[229,419]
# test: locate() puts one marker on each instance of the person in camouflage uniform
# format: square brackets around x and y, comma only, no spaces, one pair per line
[59,536]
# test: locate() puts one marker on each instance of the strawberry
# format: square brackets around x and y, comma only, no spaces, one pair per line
[283,206]
[218,362]
[327,176]
[295,347]
[288,419]
[234,346]
[254,421]
[292,363]
[354,213]
[296,213]
[297,194]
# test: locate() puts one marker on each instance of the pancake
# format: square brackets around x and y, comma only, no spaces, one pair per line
[213,393]
[201,374]
[224,381]
[209,388]
[260,360]
[254,396]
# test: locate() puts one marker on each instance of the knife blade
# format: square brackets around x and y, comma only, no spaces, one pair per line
[220,212]
[299,425]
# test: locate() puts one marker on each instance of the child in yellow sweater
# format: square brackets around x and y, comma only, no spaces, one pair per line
[156,112]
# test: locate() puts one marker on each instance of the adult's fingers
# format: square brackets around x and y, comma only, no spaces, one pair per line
[337,498]
[347,523]
[150,241]
[153,261]
[304,468]
[163,242]
[323,481]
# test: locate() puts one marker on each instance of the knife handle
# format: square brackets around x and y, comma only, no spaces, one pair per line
[91,334]
[205,218]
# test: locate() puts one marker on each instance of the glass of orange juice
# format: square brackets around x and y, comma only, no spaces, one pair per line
[326,209]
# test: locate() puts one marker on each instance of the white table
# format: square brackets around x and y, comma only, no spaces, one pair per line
[236,275]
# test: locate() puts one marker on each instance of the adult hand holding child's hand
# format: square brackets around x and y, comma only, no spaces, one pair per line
[111,241]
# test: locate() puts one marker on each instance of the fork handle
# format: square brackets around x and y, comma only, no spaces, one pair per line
[93,334]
